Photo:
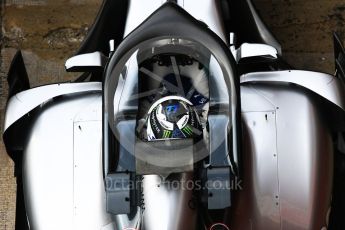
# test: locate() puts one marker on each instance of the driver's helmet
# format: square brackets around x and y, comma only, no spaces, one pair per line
[172,117]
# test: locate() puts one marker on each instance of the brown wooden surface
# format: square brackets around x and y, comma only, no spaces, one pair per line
[49,31]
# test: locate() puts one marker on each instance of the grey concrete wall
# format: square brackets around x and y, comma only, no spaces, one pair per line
[304,28]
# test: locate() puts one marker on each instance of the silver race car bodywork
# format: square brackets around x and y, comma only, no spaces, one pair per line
[288,128]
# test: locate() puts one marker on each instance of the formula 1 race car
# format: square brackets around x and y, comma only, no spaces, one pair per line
[185,116]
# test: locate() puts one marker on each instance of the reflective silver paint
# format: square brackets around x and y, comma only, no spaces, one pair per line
[63,183]
[325,85]
[62,170]
[261,167]
[167,206]
[288,160]
[288,156]
[23,102]
[207,12]
[125,222]
[138,11]
[203,10]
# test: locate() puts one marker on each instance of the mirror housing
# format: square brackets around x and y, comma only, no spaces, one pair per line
[249,50]
[89,62]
